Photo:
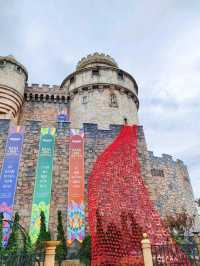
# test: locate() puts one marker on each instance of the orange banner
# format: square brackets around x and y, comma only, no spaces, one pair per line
[76,213]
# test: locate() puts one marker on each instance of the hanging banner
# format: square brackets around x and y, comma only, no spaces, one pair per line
[63,116]
[43,181]
[76,213]
[9,174]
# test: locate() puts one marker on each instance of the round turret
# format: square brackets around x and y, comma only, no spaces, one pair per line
[13,77]
[101,93]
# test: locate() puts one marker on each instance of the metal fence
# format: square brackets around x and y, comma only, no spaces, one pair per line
[20,252]
[175,255]
[22,259]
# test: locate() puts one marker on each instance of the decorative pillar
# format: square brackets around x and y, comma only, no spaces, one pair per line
[146,249]
[50,251]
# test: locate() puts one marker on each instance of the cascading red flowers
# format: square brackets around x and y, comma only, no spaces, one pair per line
[120,209]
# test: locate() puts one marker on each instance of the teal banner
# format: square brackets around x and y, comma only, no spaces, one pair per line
[43,181]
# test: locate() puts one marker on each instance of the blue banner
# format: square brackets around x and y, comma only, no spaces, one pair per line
[9,173]
[63,116]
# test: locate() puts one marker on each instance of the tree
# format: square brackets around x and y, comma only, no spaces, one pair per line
[85,251]
[14,239]
[29,247]
[1,231]
[44,235]
[179,224]
[198,202]
[61,249]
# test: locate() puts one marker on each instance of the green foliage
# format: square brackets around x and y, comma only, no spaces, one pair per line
[179,224]
[14,241]
[85,251]
[29,247]
[1,231]
[198,202]
[61,249]
[44,235]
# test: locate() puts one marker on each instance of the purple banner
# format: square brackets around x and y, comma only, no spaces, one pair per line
[9,173]
[63,116]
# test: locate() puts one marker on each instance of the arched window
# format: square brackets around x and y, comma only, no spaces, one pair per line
[113,100]
[2,63]
[85,99]
[63,99]
[52,98]
[18,69]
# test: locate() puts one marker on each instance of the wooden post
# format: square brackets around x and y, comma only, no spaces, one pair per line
[50,251]
[146,249]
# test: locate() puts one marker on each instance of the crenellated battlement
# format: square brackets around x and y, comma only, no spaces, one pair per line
[96,58]
[45,87]
[165,158]
[45,93]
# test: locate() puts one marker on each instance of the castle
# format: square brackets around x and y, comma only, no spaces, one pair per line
[99,98]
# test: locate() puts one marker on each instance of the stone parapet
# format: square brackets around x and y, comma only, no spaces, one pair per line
[45,93]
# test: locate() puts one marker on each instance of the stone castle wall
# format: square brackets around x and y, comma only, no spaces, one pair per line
[170,192]
[81,105]
[91,91]
[84,104]
[12,84]
[172,185]
[12,77]
[98,92]
[43,103]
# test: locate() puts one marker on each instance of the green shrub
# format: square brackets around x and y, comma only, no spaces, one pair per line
[85,251]
[61,249]
[44,235]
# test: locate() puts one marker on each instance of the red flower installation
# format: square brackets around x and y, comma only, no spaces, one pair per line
[120,209]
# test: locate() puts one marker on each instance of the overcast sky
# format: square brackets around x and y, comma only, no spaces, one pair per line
[157,41]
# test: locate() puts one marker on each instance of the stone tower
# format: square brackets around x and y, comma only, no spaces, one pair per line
[13,77]
[100,92]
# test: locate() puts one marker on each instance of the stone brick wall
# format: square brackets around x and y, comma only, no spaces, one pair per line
[43,103]
[90,89]
[172,185]
[4,127]
[145,163]
[170,192]
[98,108]
[60,177]
[26,177]
[43,111]
[107,75]
[12,78]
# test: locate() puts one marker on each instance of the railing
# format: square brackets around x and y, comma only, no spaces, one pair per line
[22,259]
[175,255]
